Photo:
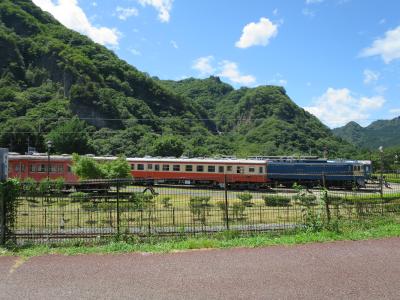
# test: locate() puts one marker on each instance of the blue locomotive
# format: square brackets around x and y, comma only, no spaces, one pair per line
[319,172]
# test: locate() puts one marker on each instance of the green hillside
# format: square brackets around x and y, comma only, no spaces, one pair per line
[262,120]
[57,84]
[384,133]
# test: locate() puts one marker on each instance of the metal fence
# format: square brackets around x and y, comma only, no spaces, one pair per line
[50,211]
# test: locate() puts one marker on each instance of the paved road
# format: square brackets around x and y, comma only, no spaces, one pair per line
[340,270]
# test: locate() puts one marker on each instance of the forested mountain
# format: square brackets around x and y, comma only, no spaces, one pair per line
[384,133]
[57,84]
[261,120]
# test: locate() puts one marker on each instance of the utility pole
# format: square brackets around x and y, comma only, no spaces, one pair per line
[49,145]
[3,164]
[3,178]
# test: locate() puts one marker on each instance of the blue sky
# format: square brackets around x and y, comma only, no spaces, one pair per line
[339,59]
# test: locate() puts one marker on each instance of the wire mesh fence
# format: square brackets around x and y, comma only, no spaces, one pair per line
[50,211]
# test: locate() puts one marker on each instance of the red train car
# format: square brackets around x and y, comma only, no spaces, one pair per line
[189,171]
[195,171]
[36,166]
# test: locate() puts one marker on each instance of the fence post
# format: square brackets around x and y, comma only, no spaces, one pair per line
[327,208]
[2,215]
[226,203]
[381,182]
[118,231]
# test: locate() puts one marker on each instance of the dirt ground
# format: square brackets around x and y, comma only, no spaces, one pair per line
[339,270]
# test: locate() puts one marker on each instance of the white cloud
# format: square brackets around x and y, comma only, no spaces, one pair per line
[380,89]
[395,111]
[337,107]
[231,71]
[225,68]
[204,65]
[370,76]
[174,44]
[278,80]
[125,13]
[371,103]
[72,16]
[314,1]
[388,47]
[257,34]
[135,52]
[162,6]
[308,13]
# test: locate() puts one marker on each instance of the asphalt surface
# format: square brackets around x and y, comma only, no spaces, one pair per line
[340,270]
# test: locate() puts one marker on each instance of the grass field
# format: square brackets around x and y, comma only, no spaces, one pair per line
[368,229]
[389,177]
[63,212]
[41,214]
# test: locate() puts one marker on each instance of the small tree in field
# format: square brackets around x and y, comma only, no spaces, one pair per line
[246,199]
[166,202]
[198,207]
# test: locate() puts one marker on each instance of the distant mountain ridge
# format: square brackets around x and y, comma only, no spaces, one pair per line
[384,133]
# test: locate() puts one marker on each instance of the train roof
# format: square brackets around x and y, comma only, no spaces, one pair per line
[230,160]
[201,160]
[42,156]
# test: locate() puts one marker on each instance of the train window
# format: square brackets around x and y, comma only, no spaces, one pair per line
[221,169]
[140,167]
[188,168]
[149,167]
[252,170]
[16,168]
[157,167]
[53,168]
[69,169]
[229,168]
[239,170]
[176,168]
[200,168]
[32,168]
[165,167]
[22,168]
[42,168]
[211,169]
[132,166]
[60,169]
[261,170]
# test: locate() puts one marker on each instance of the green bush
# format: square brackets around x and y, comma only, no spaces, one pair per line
[246,199]
[107,206]
[142,201]
[274,200]
[79,197]
[306,199]
[166,202]
[238,211]
[199,207]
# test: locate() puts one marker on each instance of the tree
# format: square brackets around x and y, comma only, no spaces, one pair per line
[88,168]
[168,146]
[118,168]
[71,136]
